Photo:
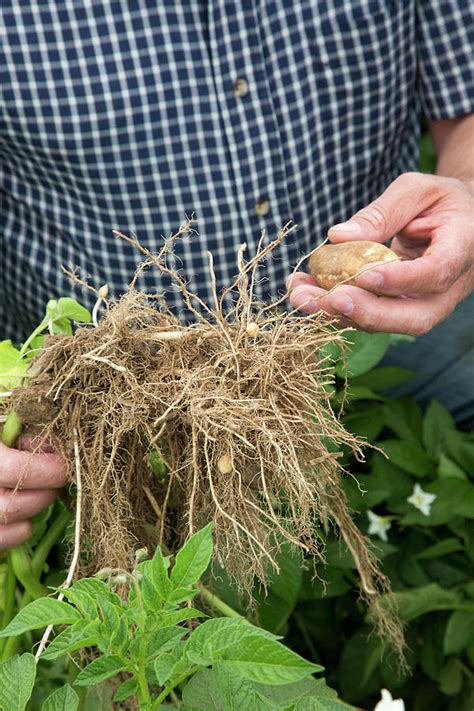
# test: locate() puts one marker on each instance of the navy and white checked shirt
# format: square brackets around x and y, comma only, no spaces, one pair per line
[125,114]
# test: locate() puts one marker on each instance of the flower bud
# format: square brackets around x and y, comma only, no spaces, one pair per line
[103,291]
[141,554]
[119,580]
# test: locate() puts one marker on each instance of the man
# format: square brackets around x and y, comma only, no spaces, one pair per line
[129,115]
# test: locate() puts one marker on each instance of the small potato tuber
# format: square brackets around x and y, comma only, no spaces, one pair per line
[335,263]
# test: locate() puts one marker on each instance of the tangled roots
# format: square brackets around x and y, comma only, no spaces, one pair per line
[237,408]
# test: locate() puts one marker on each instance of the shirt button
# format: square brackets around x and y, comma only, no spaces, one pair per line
[262,207]
[240,88]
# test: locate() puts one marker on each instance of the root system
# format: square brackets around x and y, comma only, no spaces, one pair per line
[237,406]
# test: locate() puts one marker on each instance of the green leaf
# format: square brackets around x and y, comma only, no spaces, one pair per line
[69,308]
[459,632]
[238,694]
[158,466]
[193,558]
[275,607]
[156,586]
[408,456]
[80,634]
[447,545]
[17,677]
[352,663]
[175,616]
[366,350]
[61,325]
[404,417]
[82,600]
[41,613]
[163,666]
[384,378]
[266,661]
[427,598]
[361,392]
[126,689]
[436,423]
[447,469]
[304,690]
[211,638]
[12,366]
[164,639]
[201,692]
[315,704]
[110,617]
[451,677]
[460,448]
[217,691]
[99,670]
[366,423]
[63,699]
[98,591]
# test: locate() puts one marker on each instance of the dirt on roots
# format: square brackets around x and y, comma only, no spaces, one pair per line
[237,406]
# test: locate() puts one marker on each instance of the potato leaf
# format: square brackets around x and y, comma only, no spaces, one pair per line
[266,661]
[41,613]
[17,677]
[193,558]
[99,670]
[12,366]
[63,699]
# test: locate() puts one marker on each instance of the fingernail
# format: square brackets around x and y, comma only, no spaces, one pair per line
[341,302]
[371,280]
[350,226]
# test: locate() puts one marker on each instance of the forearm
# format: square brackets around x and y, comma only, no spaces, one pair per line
[454,144]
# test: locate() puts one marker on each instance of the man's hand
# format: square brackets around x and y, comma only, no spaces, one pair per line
[432,219]
[41,475]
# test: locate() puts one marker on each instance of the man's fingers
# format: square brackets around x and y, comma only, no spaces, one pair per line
[401,202]
[22,505]
[35,471]
[14,534]
[305,297]
[297,279]
[33,443]
[393,315]
[433,273]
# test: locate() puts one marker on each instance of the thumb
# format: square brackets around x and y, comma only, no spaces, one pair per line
[401,202]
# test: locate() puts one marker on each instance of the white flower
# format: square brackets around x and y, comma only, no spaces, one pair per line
[388,703]
[378,525]
[421,500]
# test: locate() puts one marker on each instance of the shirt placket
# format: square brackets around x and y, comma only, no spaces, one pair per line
[250,126]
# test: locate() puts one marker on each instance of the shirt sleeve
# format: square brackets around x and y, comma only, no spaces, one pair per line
[445,45]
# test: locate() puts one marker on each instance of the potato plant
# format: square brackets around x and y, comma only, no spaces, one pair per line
[149,640]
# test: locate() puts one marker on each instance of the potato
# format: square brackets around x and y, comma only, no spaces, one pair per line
[334,263]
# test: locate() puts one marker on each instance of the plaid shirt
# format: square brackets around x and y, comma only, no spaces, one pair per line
[129,115]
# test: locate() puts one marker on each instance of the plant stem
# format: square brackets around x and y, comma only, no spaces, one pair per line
[308,641]
[12,643]
[143,684]
[9,599]
[9,647]
[219,604]
[167,691]
[37,332]
[176,700]
[23,569]
[51,537]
